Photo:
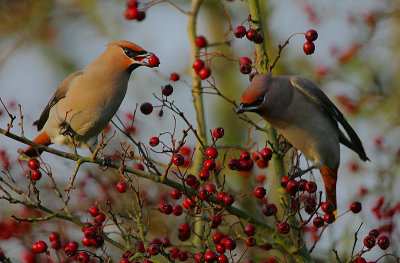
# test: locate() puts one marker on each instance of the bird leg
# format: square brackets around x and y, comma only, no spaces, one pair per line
[300,172]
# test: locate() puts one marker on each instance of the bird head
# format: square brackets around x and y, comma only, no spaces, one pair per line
[254,96]
[130,55]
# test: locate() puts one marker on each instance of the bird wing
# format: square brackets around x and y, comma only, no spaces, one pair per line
[58,95]
[316,95]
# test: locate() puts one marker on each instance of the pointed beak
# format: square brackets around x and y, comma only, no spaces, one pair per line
[141,60]
[240,109]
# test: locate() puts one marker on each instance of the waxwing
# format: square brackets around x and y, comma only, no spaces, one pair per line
[86,101]
[307,118]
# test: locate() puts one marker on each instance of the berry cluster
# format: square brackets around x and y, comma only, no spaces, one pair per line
[309,47]
[34,165]
[132,12]
[246,163]
[251,34]
[201,69]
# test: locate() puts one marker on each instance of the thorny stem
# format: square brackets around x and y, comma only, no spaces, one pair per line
[281,241]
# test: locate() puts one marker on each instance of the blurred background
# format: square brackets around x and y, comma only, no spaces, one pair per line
[356,62]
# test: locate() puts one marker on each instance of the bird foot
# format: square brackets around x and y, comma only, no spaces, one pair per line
[105,162]
[66,130]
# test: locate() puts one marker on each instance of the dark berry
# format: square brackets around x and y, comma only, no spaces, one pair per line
[270,210]
[240,31]
[369,241]
[383,242]
[355,207]
[204,73]
[146,108]
[283,228]
[167,90]
[311,35]
[318,222]
[121,187]
[251,34]
[311,187]
[178,159]
[200,41]
[329,218]
[259,192]
[218,132]
[308,48]
[327,207]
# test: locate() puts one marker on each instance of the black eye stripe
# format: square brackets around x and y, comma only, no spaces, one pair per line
[130,53]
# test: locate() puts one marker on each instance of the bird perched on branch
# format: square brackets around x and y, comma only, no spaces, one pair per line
[86,101]
[301,111]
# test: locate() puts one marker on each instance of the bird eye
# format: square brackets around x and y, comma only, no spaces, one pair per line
[129,52]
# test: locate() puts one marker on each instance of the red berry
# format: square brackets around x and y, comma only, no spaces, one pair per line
[165,208]
[283,228]
[184,232]
[209,164]
[154,249]
[250,230]
[233,164]
[318,222]
[182,256]
[121,187]
[141,16]
[329,218]
[98,241]
[211,152]
[86,241]
[70,250]
[222,259]
[56,244]
[100,218]
[374,233]
[308,48]
[284,181]
[210,256]
[139,166]
[217,237]
[188,203]
[327,207]
[199,257]
[302,185]
[146,108]
[220,248]
[200,41]
[131,13]
[191,180]
[270,210]
[266,154]
[230,243]
[165,242]
[292,187]
[204,73]
[245,68]
[361,260]
[39,247]
[204,175]
[54,237]
[154,141]
[173,253]
[90,233]
[174,76]
[167,90]
[124,260]
[83,257]
[259,192]
[198,64]
[311,187]
[245,60]
[245,155]
[251,241]
[204,194]
[176,194]
[383,242]
[36,175]
[178,159]
[33,164]
[132,3]
[228,200]
[177,210]
[215,221]
[369,241]
[154,61]
[218,132]
[311,35]
[240,31]
[355,207]
[94,211]
[251,34]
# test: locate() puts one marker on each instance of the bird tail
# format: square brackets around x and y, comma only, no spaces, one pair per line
[330,177]
[31,152]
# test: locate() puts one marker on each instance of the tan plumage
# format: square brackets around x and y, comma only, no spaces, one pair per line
[299,109]
[86,101]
